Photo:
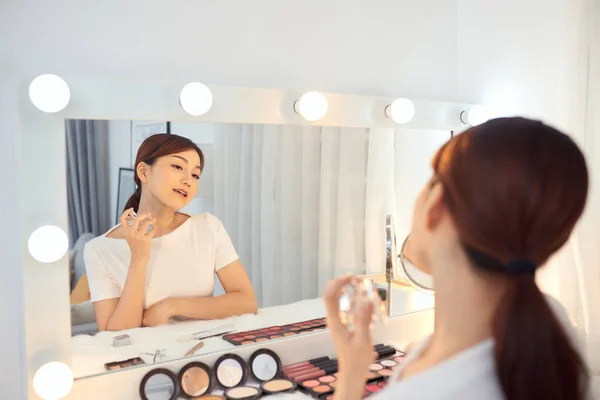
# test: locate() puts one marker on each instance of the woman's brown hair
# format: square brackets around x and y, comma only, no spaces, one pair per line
[515,189]
[154,147]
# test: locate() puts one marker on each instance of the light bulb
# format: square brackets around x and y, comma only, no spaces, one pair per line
[53,381]
[474,116]
[401,111]
[195,99]
[48,243]
[312,106]
[49,93]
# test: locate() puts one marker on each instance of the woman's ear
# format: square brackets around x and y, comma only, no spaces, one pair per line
[142,172]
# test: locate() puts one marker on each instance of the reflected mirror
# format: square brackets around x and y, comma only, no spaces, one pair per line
[294,206]
[196,380]
[159,384]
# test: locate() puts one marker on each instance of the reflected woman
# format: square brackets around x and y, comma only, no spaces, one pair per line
[162,263]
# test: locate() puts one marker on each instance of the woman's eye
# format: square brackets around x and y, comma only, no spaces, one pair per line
[176,166]
[196,176]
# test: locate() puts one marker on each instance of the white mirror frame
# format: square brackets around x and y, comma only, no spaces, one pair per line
[43,169]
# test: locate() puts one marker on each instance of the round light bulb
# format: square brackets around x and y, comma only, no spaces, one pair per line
[53,381]
[401,111]
[49,93]
[312,106]
[195,99]
[48,243]
[474,116]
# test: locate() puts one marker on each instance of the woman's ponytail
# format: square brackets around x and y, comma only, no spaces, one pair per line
[134,200]
[535,358]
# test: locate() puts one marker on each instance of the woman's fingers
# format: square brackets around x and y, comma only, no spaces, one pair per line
[123,219]
[138,221]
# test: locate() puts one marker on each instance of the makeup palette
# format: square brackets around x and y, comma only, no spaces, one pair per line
[319,377]
[275,332]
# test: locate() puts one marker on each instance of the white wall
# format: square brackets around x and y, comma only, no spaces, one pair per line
[383,47]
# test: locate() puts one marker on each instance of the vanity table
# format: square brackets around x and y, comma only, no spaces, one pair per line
[125,384]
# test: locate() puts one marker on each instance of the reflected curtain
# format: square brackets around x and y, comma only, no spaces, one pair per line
[87,177]
[304,204]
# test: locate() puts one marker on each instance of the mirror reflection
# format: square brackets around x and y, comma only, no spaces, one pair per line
[194,381]
[210,233]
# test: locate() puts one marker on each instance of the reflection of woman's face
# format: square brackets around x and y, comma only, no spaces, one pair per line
[173,179]
[195,381]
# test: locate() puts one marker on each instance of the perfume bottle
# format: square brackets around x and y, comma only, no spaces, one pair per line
[131,219]
[348,302]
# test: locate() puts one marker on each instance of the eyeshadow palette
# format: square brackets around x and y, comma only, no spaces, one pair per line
[274,332]
[318,377]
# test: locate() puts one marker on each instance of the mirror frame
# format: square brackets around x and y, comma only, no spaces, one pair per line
[43,190]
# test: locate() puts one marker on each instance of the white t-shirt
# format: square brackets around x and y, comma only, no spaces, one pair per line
[182,263]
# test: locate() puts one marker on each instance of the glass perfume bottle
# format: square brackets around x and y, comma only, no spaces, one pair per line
[349,300]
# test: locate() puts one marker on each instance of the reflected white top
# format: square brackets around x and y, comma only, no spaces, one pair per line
[182,263]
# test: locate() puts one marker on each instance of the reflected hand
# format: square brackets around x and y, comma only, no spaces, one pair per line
[138,235]
[159,313]
[354,350]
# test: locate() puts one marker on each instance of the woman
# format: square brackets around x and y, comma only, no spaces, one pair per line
[161,264]
[503,198]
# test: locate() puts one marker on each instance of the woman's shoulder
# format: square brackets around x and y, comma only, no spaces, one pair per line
[205,220]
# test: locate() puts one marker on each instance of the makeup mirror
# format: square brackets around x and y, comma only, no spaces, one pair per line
[412,274]
[196,379]
[159,384]
[265,365]
[230,371]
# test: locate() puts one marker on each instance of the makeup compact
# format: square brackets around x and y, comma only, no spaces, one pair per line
[196,379]
[243,393]
[265,365]
[231,371]
[159,384]
[275,332]
[277,386]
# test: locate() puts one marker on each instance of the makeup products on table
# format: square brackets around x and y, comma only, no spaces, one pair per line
[231,371]
[243,393]
[194,349]
[275,332]
[121,340]
[159,384]
[205,334]
[265,365]
[319,377]
[123,364]
[196,379]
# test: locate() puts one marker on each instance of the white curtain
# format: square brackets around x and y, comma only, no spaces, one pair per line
[573,275]
[305,204]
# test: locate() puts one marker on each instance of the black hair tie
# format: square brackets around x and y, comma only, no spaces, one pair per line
[518,267]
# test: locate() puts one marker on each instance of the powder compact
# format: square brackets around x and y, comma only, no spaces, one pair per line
[231,371]
[196,379]
[265,365]
[243,393]
[159,384]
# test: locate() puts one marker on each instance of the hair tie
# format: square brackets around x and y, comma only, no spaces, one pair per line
[518,267]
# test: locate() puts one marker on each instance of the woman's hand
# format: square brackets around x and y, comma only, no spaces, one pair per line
[138,235]
[159,313]
[354,350]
